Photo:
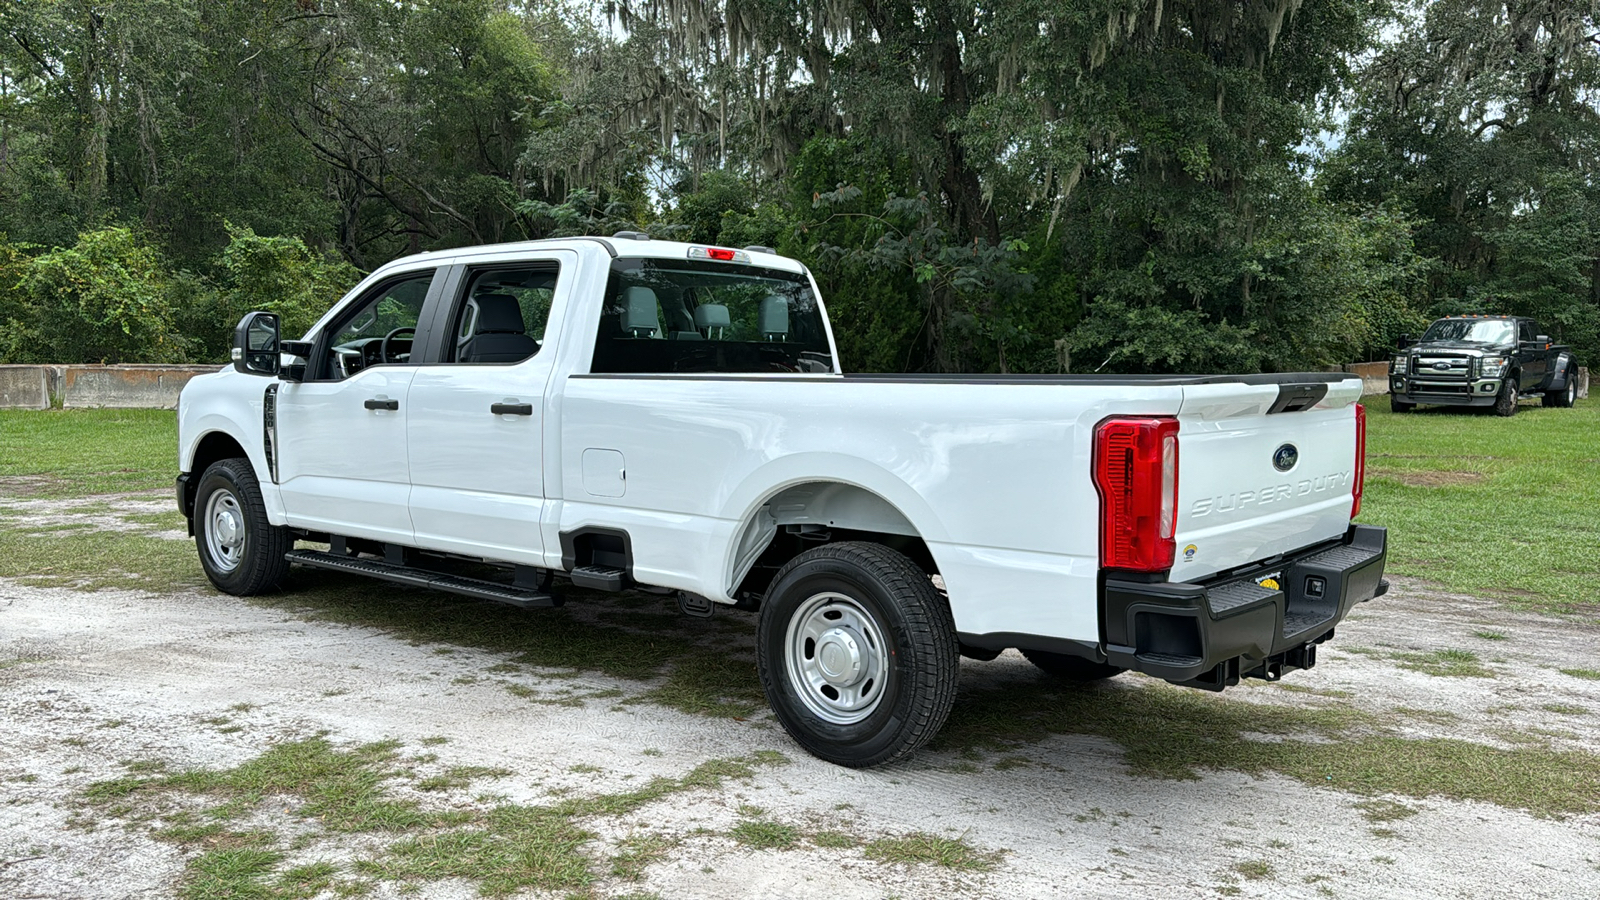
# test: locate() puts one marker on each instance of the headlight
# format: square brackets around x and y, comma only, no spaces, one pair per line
[1399,364]
[1492,366]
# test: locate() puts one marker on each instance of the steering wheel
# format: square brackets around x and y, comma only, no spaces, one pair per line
[383,348]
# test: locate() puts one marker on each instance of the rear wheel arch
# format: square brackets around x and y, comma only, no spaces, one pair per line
[794,518]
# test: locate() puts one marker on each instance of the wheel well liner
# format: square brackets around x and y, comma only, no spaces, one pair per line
[799,517]
[213,447]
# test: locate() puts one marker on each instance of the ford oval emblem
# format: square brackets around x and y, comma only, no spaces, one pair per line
[1284,458]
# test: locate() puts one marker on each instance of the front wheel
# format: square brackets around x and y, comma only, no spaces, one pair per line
[1506,403]
[242,553]
[857,653]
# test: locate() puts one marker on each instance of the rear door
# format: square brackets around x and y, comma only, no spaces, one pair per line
[477,410]
[1254,482]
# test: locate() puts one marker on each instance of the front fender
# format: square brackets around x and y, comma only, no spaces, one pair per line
[231,404]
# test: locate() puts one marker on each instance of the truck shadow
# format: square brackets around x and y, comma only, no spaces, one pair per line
[1006,713]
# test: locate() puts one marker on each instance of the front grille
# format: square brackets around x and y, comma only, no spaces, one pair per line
[1423,387]
[1447,368]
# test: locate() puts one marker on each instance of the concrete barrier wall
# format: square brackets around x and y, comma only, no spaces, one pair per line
[25,387]
[88,387]
[1374,376]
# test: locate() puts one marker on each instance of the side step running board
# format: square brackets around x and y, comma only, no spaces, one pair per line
[601,578]
[522,598]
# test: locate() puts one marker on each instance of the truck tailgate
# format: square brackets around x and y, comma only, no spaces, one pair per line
[1258,475]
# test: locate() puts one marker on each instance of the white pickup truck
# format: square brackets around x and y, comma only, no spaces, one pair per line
[627,412]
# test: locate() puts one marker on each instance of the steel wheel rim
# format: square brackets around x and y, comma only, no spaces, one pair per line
[836,658]
[225,531]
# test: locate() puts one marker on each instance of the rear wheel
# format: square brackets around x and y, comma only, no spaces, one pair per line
[1563,399]
[1505,404]
[857,653]
[242,553]
[1071,668]
[1400,406]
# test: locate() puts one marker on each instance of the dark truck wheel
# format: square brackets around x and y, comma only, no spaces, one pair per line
[1563,399]
[1400,406]
[857,653]
[1505,404]
[240,550]
[1071,668]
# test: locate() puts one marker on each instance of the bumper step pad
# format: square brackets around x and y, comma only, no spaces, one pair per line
[522,598]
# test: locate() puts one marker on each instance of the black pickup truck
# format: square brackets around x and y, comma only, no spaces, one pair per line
[1483,361]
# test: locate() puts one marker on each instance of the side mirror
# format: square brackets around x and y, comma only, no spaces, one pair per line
[1542,339]
[255,344]
[1404,342]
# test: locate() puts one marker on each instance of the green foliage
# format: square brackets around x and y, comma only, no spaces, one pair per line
[1036,186]
[104,299]
[280,275]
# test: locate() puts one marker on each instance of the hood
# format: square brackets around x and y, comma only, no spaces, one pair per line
[1459,348]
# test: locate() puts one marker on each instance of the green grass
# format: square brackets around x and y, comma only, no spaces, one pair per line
[920,847]
[1586,674]
[502,849]
[763,834]
[82,452]
[1445,664]
[1490,506]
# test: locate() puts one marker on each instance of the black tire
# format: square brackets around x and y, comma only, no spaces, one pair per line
[1071,668]
[1505,403]
[865,591]
[247,557]
[1564,398]
[1400,406]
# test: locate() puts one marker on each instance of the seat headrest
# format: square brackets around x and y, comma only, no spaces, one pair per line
[711,315]
[773,317]
[498,314]
[640,313]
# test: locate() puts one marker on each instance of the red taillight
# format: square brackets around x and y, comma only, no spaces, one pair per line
[719,253]
[1136,473]
[1361,460]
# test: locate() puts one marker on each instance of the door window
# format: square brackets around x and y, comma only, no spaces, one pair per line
[379,329]
[502,314]
[1525,331]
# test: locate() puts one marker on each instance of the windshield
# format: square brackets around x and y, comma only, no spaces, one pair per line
[1485,331]
[668,315]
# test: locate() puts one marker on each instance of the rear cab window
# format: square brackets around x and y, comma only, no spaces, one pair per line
[694,316]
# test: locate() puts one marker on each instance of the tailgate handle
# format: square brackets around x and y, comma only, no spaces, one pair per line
[1295,397]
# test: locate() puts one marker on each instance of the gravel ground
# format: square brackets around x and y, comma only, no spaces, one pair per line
[89,681]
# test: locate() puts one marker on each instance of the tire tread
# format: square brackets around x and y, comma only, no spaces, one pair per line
[266,565]
[931,627]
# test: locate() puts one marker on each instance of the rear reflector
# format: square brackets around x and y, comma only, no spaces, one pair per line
[1136,473]
[721,254]
[1361,461]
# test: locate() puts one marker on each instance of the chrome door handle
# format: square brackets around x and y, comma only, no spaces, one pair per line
[511,409]
[390,405]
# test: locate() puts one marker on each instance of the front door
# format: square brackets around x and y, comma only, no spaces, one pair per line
[1533,356]
[342,463]
[475,424]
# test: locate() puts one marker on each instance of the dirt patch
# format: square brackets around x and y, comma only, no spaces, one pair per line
[147,513]
[108,686]
[1429,478]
